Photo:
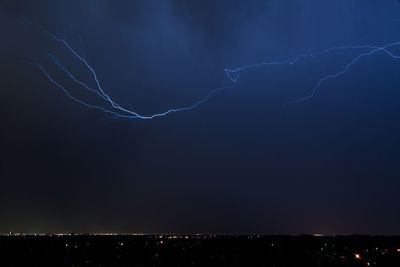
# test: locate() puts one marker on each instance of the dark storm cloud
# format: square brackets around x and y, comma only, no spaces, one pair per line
[233,165]
[218,20]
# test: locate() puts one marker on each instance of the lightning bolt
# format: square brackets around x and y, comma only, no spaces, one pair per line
[117,111]
[234,74]
[383,49]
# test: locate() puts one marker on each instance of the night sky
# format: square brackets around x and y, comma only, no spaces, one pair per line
[239,163]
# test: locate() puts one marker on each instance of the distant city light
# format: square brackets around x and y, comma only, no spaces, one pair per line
[81,248]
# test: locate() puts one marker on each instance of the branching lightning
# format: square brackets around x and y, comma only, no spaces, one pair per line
[117,111]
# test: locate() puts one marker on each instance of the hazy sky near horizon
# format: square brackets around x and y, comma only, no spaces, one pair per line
[236,164]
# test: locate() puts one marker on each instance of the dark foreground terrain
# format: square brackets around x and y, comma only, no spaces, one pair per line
[198,250]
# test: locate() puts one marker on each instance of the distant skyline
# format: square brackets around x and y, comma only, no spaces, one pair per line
[237,163]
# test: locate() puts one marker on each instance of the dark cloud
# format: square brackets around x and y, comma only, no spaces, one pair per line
[218,20]
[235,164]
